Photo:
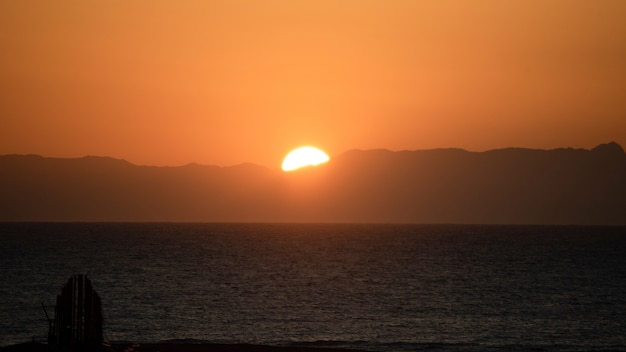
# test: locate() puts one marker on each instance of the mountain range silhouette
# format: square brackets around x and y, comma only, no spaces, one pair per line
[503,186]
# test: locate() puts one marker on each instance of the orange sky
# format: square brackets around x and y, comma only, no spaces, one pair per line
[224,82]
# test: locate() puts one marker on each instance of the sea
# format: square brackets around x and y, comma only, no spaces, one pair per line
[373,287]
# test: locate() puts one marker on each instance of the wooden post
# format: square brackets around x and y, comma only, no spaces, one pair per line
[78,317]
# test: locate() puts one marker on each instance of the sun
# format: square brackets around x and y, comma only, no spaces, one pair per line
[304,156]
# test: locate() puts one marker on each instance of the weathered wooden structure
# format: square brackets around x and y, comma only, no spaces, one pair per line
[77,321]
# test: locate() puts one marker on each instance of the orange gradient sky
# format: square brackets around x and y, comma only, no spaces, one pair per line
[224,82]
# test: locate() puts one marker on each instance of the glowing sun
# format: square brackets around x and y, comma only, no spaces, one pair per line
[302,157]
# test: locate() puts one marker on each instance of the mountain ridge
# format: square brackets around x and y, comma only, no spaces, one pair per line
[446,185]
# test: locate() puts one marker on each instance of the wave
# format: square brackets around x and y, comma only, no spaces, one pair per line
[456,347]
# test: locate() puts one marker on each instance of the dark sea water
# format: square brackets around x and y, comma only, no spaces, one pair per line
[372,287]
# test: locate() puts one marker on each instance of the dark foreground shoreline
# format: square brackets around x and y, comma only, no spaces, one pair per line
[176,347]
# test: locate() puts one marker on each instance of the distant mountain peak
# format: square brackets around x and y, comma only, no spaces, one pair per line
[610,148]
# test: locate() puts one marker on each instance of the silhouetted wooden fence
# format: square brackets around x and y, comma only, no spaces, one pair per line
[77,317]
